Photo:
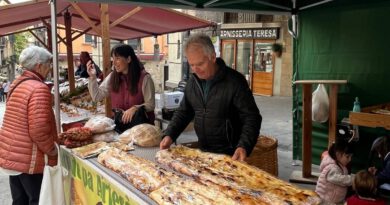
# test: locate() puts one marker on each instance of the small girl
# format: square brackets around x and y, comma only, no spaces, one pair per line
[365,186]
[333,182]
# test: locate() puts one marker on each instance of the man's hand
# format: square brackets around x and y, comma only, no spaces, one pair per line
[128,114]
[239,154]
[166,142]
[372,170]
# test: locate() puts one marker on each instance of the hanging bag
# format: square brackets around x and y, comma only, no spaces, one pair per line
[320,104]
[52,189]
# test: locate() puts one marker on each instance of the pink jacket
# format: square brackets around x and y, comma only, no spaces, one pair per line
[28,129]
[333,181]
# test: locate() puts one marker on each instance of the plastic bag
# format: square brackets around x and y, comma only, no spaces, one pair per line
[320,104]
[144,135]
[52,190]
[105,137]
[100,124]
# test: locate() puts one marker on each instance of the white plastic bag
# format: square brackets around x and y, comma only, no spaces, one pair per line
[109,136]
[52,189]
[100,124]
[320,104]
[144,135]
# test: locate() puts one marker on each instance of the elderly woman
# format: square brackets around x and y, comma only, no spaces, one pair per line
[28,131]
[128,85]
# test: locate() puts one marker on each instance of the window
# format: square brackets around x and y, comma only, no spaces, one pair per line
[89,39]
[230,17]
[134,43]
[264,18]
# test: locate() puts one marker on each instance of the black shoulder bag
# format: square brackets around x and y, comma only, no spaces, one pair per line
[140,117]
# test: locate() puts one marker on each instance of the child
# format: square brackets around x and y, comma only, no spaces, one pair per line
[334,180]
[365,186]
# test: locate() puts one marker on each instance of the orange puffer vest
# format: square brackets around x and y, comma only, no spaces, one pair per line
[28,129]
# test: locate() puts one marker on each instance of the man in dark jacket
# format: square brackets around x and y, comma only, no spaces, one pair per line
[218,98]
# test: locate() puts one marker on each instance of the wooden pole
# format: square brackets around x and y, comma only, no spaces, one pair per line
[105,24]
[69,50]
[332,113]
[306,133]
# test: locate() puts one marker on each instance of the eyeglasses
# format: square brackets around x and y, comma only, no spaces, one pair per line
[50,64]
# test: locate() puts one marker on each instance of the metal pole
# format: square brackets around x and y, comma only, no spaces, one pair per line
[53,7]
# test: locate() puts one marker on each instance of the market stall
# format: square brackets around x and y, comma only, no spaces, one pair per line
[92,183]
[177,175]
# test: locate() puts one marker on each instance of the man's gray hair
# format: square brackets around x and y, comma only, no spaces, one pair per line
[33,55]
[202,40]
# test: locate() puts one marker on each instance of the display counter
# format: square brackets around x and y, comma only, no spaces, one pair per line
[91,183]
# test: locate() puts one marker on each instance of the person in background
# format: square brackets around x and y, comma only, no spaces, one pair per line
[218,98]
[129,85]
[2,95]
[5,86]
[82,68]
[381,146]
[365,186]
[334,180]
[28,131]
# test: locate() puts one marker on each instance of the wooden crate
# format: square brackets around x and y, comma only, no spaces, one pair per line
[369,119]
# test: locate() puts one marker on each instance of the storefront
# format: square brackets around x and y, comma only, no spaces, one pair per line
[247,48]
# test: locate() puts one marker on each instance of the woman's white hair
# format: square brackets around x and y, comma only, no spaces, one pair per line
[33,55]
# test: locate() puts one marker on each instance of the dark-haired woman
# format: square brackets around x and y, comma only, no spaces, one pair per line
[128,85]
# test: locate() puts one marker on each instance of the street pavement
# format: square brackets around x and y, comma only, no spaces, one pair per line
[277,122]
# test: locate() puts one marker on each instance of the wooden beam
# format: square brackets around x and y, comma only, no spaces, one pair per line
[105,22]
[81,33]
[320,82]
[69,50]
[126,16]
[61,40]
[332,113]
[86,18]
[306,133]
[22,31]
[48,27]
[123,26]
[39,39]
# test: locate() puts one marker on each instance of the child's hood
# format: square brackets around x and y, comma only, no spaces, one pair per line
[326,161]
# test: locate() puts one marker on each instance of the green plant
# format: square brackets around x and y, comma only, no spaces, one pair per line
[277,47]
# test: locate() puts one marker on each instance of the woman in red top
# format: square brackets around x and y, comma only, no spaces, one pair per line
[365,186]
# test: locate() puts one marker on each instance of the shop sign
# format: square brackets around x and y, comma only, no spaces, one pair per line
[255,33]
[89,187]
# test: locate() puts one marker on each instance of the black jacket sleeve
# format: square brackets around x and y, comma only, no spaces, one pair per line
[181,118]
[249,116]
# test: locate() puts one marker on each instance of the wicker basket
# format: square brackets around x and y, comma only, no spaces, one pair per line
[265,155]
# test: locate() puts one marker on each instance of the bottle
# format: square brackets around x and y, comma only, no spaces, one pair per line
[356,105]
[356,108]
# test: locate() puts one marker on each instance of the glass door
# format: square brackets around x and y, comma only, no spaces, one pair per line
[244,57]
[263,67]
[228,52]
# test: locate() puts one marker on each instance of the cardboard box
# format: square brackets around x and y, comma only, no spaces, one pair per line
[172,99]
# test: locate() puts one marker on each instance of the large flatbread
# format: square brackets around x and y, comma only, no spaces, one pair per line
[222,170]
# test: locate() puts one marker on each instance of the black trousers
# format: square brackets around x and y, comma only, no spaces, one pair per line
[25,188]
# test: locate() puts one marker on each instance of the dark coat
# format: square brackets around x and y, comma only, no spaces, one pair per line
[384,174]
[228,119]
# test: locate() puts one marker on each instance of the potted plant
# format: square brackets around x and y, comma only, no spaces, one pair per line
[277,49]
